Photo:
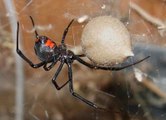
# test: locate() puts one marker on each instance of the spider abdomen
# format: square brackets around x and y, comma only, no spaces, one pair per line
[45,48]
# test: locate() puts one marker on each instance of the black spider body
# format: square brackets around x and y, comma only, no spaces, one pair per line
[48,52]
[45,49]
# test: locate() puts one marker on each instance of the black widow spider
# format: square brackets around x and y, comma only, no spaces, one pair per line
[49,53]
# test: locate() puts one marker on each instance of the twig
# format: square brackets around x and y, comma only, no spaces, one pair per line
[161,25]
[147,82]
[19,108]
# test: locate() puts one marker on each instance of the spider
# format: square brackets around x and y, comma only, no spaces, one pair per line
[50,53]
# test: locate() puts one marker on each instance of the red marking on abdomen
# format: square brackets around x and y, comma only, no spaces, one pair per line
[49,43]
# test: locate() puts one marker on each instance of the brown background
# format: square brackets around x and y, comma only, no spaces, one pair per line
[40,95]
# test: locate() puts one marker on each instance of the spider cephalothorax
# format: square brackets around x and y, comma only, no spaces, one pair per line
[48,52]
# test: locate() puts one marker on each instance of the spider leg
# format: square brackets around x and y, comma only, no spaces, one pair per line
[81,55]
[33,23]
[23,56]
[56,75]
[65,32]
[108,68]
[74,93]
[47,68]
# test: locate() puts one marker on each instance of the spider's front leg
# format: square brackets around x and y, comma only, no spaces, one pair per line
[108,68]
[23,56]
[74,93]
[56,75]
[66,31]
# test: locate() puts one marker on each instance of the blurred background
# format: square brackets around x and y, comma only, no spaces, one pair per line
[136,93]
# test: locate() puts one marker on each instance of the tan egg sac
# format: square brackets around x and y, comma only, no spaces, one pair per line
[106,41]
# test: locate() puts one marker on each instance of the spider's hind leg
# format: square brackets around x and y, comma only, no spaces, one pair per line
[33,23]
[19,52]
